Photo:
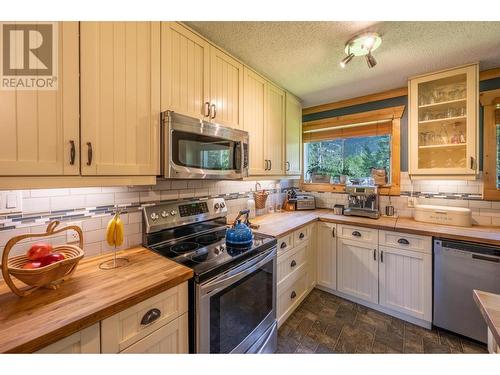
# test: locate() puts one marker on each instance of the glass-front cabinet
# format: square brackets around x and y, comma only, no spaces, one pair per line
[443,123]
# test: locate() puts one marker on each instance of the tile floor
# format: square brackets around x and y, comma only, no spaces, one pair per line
[325,323]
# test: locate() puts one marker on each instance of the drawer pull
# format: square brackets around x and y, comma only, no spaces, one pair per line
[356,234]
[293,264]
[403,241]
[283,245]
[293,295]
[150,316]
[301,235]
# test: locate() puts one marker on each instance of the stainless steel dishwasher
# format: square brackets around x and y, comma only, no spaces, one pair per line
[460,267]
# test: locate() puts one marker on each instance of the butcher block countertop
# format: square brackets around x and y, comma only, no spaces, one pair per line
[282,223]
[27,324]
[489,305]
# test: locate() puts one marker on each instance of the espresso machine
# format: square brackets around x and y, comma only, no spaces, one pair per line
[363,200]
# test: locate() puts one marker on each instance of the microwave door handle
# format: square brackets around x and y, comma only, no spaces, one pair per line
[237,159]
[228,279]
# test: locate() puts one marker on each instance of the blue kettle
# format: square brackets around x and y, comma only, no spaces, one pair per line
[240,234]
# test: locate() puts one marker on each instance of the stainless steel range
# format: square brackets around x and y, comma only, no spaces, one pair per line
[232,297]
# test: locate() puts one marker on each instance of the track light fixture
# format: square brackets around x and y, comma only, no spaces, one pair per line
[370,60]
[362,45]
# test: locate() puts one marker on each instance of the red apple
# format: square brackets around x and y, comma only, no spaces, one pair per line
[39,250]
[51,258]
[32,265]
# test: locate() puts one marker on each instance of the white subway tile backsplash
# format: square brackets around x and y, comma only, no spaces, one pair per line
[135,217]
[67,202]
[126,198]
[479,204]
[91,224]
[36,193]
[167,195]
[178,184]
[481,220]
[32,205]
[101,199]
[149,196]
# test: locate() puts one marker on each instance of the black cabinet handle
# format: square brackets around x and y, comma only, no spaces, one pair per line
[403,241]
[333,232]
[287,166]
[356,234]
[382,256]
[283,245]
[207,109]
[375,254]
[293,295]
[301,235]
[72,152]
[270,165]
[150,316]
[293,264]
[89,153]
[213,111]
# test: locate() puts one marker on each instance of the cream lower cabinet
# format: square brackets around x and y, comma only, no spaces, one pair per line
[293,136]
[405,279]
[158,324]
[295,275]
[40,128]
[326,252]
[86,341]
[357,271]
[120,98]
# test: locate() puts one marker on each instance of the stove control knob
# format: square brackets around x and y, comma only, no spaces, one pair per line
[173,212]
[216,206]
[154,216]
[164,214]
[222,205]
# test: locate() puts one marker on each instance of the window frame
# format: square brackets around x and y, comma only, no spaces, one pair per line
[489,100]
[367,119]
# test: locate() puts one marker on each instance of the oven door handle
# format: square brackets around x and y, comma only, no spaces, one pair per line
[238,273]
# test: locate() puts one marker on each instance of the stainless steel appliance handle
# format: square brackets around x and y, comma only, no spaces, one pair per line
[239,272]
[486,258]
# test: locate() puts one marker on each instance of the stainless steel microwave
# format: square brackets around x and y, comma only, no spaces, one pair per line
[193,148]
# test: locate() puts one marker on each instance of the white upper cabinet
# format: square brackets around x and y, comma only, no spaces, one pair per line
[275,125]
[293,136]
[254,121]
[226,89]
[443,124]
[185,73]
[120,98]
[40,128]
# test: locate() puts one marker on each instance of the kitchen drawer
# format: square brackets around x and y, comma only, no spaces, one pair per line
[301,235]
[285,243]
[291,262]
[290,296]
[351,232]
[85,341]
[405,241]
[172,338]
[125,328]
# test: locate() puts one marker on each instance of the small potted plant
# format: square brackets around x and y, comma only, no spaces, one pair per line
[344,174]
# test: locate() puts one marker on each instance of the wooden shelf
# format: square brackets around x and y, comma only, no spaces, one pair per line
[442,103]
[443,119]
[447,145]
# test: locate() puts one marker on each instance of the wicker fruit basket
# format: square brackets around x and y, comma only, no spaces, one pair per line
[50,276]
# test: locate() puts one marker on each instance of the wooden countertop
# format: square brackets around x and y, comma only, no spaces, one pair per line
[282,223]
[28,324]
[489,305]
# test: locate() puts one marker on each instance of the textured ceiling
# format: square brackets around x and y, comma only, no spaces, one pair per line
[303,57]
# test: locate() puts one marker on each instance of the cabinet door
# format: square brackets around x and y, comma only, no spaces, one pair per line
[255,95]
[40,126]
[184,71]
[326,250]
[86,341]
[443,122]
[120,106]
[357,272]
[293,136]
[169,339]
[275,126]
[405,282]
[226,89]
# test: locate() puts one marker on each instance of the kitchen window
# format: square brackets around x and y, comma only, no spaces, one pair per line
[353,157]
[352,145]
